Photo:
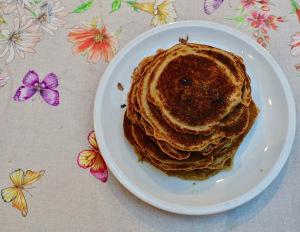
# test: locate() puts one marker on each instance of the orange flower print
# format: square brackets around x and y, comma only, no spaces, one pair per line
[95,42]
[92,159]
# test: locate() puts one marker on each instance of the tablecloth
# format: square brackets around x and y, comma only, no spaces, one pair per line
[52,56]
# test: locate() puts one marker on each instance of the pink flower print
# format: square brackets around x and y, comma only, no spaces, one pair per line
[271,22]
[257,19]
[248,3]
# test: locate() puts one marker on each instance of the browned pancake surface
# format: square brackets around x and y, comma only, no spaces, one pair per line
[195,89]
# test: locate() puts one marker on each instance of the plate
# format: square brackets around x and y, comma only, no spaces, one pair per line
[259,159]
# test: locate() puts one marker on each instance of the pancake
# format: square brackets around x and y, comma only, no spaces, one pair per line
[131,106]
[155,155]
[203,174]
[195,161]
[161,159]
[195,166]
[161,129]
[189,108]
[193,89]
[181,154]
[183,141]
[246,97]
[145,145]
[173,152]
[224,142]
[127,128]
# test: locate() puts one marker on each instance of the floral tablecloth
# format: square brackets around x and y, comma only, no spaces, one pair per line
[52,56]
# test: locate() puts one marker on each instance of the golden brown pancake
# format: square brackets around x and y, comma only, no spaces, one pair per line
[189,108]
[162,130]
[161,159]
[192,166]
[195,86]
[191,142]
[181,154]
[172,152]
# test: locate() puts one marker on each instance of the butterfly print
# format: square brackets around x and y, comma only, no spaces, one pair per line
[32,84]
[93,160]
[15,194]
[210,6]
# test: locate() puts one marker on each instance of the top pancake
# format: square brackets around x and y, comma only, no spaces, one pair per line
[162,130]
[195,86]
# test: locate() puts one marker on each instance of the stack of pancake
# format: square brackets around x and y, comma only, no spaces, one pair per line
[188,109]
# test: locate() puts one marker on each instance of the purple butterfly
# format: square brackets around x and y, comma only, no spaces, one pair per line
[32,84]
[211,5]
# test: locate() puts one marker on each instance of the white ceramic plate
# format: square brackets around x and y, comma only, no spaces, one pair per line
[258,160]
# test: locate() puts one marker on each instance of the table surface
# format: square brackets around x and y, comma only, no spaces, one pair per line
[44,126]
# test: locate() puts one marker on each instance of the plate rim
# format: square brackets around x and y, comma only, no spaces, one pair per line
[241,199]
